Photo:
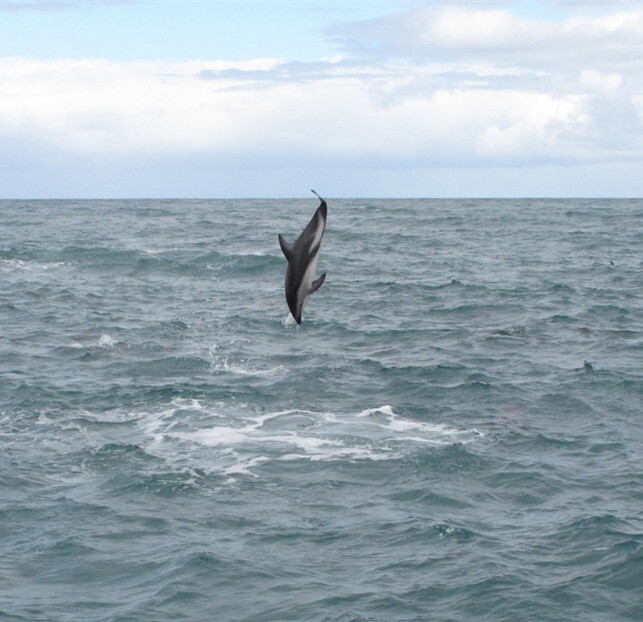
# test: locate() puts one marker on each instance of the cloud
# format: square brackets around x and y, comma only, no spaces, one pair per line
[536,90]
[272,107]
[454,33]
[417,90]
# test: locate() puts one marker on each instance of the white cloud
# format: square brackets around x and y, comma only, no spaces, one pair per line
[453,33]
[463,28]
[98,107]
[437,88]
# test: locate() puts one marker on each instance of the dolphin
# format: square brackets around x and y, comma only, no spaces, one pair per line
[302,259]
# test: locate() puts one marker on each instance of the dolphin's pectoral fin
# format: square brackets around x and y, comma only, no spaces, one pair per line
[317,284]
[286,248]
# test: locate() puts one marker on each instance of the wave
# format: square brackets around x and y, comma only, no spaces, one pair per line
[136,262]
[26,265]
[245,369]
[244,443]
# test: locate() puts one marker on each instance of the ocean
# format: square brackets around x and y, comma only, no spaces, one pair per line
[454,433]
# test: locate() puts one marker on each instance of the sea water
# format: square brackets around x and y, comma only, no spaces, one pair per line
[454,432]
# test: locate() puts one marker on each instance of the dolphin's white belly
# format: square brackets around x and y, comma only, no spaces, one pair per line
[318,234]
[307,281]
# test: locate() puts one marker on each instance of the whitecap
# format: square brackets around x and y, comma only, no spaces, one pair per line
[106,341]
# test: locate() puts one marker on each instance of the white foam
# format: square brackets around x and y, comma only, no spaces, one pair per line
[238,444]
[243,369]
[106,341]
[385,410]
[289,320]
[20,264]
[14,264]
[213,436]
[251,254]
[244,467]
[434,433]
[221,363]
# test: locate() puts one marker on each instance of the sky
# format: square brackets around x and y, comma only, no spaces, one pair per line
[203,99]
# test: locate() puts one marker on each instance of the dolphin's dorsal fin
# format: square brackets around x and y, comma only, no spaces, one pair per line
[286,248]
[317,284]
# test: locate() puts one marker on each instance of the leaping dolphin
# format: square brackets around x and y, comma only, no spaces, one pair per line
[302,259]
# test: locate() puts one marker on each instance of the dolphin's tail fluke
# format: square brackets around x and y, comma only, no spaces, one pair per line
[322,200]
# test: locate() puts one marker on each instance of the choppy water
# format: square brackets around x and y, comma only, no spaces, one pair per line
[454,433]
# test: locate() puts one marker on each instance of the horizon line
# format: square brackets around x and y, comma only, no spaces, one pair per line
[341,198]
